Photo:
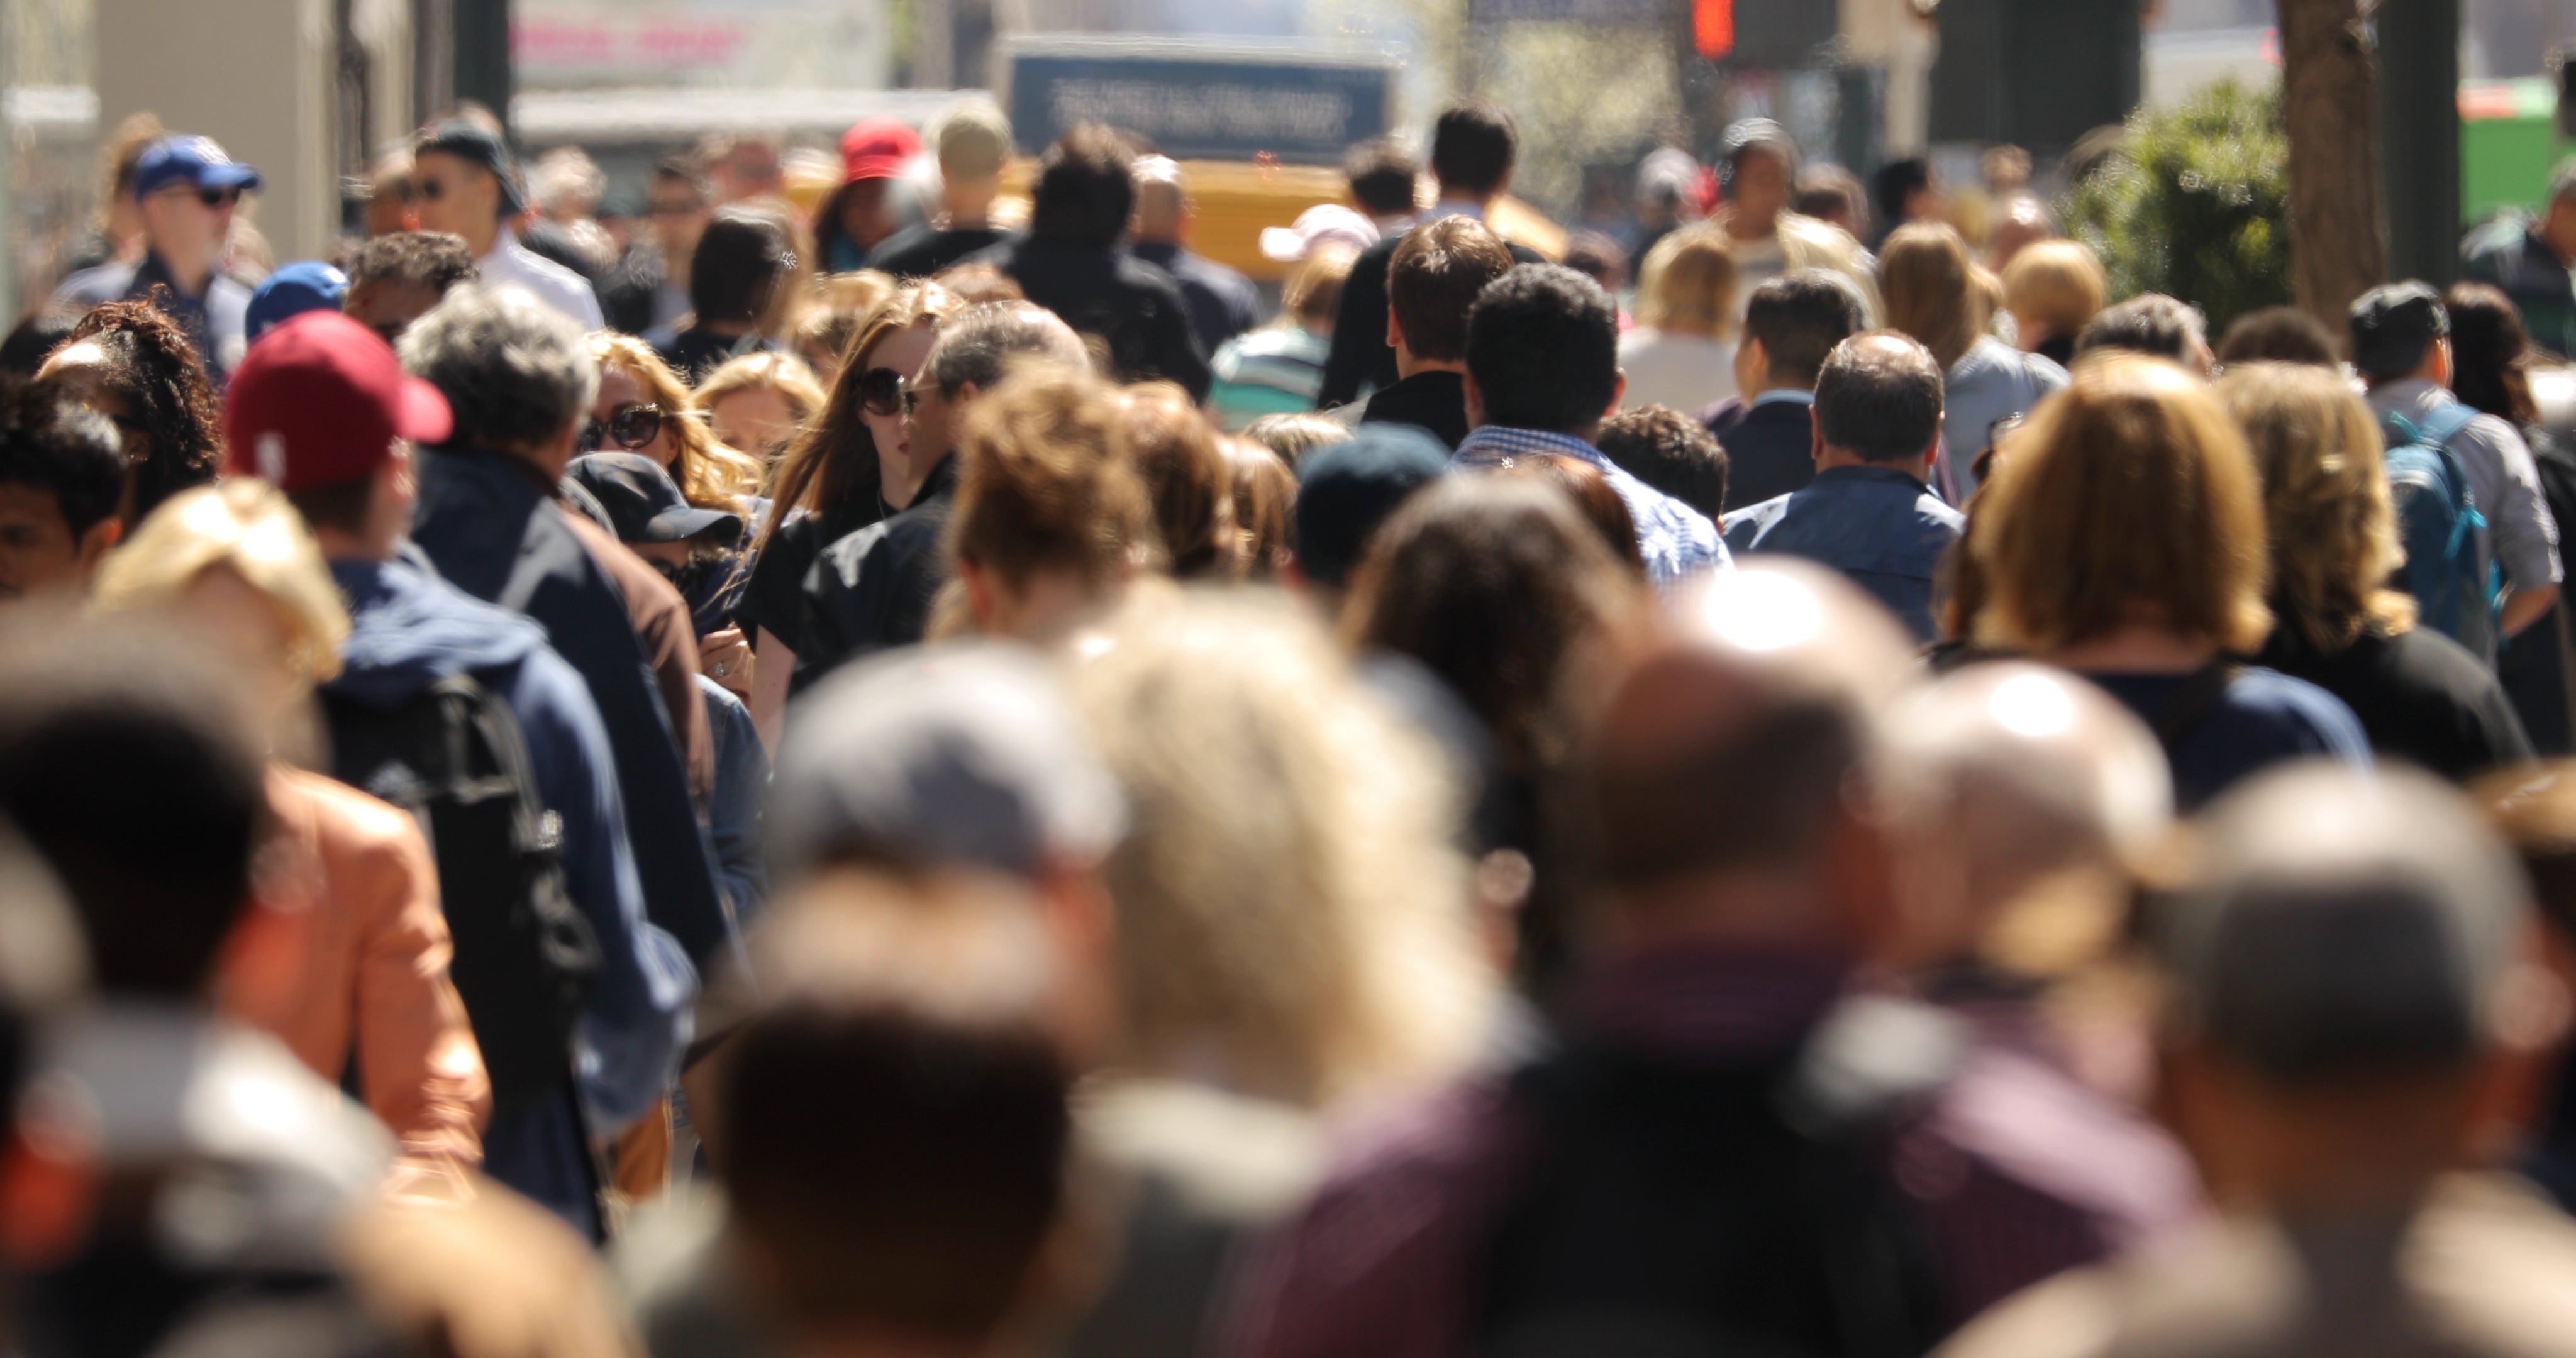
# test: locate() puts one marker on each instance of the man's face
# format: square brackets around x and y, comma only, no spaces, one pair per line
[38,551]
[1760,189]
[931,428]
[181,221]
[455,195]
[679,218]
[864,212]
[389,306]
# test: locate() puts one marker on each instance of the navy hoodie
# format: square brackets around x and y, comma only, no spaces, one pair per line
[409,629]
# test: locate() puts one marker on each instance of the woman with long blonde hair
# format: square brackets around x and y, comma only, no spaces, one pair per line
[1932,290]
[645,409]
[2123,539]
[758,403]
[2420,696]
[845,470]
[1682,353]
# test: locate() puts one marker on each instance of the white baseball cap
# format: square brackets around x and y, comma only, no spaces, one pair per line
[1316,225]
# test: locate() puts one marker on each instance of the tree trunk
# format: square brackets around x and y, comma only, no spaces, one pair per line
[2330,111]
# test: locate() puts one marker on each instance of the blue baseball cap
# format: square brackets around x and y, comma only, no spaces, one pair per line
[305,285]
[192,160]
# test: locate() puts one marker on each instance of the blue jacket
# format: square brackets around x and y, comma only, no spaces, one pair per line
[733,813]
[486,522]
[217,323]
[1878,525]
[408,630]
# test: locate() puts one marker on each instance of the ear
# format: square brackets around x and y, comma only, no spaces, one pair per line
[1618,393]
[979,593]
[1394,332]
[1475,400]
[95,544]
[1816,441]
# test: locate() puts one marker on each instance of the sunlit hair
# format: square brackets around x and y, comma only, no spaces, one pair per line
[709,474]
[1292,435]
[247,525]
[1312,293]
[2056,284]
[2325,500]
[836,305]
[1265,506]
[785,374]
[835,456]
[1927,283]
[1290,918]
[1176,455]
[2129,498]
[1688,283]
[1044,483]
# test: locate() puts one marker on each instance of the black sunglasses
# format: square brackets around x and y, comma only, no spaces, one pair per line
[630,427]
[213,197]
[885,393]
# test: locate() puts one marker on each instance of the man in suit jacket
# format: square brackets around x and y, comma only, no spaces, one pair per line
[1790,324]
[1472,150]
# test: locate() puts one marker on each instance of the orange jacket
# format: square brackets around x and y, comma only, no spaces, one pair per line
[345,955]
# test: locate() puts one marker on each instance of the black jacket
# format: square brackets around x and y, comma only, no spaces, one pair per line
[871,591]
[1769,449]
[919,251]
[2419,695]
[1222,302]
[1360,355]
[1436,401]
[1133,306]
[485,520]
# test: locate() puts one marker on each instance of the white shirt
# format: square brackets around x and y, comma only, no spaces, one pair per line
[551,283]
[1687,372]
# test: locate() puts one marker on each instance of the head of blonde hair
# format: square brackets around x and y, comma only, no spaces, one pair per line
[709,474]
[2129,499]
[246,526]
[2325,500]
[1688,284]
[785,374]
[1288,905]
[1045,483]
[1928,286]
[1312,293]
[2055,285]
[1177,456]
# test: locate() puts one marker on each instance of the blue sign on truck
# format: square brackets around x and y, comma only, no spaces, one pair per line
[1302,104]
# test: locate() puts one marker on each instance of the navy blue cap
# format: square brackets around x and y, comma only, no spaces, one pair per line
[1345,490]
[305,285]
[643,503]
[195,161]
[479,144]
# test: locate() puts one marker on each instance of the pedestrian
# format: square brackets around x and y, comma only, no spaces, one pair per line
[868,208]
[1682,352]
[2123,539]
[187,190]
[1473,148]
[1345,492]
[1053,521]
[644,407]
[1291,437]
[1542,373]
[60,478]
[1790,325]
[2528,259]
[2052,289]
[846,470]
[1265,508]
[1756,167]
[468,186]
[133,364]
[1433,277]
[1277,369]
[2152,323]
[340,419]
[395,279]
[1933,296]
[1868,513]
[1221,300]
[873,590]
[758,403]
[305,285]
[1071,264]
[972,141]
[738,279]
[520,385]
[1177,456]
[2278,334]
[647,292]
[2419,695]
[1382,180]
[1670,451]
[346,958]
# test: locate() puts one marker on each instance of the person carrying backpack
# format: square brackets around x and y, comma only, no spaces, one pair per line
[460,712]
[2481,547]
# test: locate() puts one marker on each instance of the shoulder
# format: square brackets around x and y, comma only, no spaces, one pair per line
[2276,699]
[105,283]
[345,820]
[1747,524]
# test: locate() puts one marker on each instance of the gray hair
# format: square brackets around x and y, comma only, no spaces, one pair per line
[513,369]
[982,344]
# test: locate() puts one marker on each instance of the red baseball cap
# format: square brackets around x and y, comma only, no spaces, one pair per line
[320,400]
[876,149]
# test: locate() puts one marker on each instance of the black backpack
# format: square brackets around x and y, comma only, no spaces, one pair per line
[1679,1208]
[453,756]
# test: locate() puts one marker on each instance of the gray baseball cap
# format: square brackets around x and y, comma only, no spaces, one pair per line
[961,753]
[2339,921]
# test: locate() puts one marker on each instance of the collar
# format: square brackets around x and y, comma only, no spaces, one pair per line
[1453,207]
[1491,444]
[494,462]
[1873,472]
[1782,396]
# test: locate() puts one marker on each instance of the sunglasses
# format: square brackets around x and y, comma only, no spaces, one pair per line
[886,394]
[213,198]
[630,427]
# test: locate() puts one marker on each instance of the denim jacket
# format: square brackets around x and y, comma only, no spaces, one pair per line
[1878,525]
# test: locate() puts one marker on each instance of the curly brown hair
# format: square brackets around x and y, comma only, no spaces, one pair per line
[149,361]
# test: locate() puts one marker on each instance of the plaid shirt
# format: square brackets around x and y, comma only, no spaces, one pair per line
[1676,540]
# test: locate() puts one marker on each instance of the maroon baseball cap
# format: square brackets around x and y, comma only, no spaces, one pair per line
[876,149]
[320,400]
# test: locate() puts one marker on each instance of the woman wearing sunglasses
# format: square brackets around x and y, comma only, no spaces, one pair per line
[848,470]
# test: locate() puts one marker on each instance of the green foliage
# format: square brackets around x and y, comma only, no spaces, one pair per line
[2195,204]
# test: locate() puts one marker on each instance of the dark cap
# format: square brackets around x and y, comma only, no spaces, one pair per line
[474,142]
[643,503]
[1345,490]
[2392,327]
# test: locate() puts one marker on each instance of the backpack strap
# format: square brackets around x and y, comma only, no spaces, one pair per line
[2190,705]
[2445,423]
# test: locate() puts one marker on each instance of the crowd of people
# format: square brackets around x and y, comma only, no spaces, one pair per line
[895,776]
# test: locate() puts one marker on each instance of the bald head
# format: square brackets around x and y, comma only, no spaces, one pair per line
[2018,778]
[2343,924]
[1743,744]
[1162,200]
